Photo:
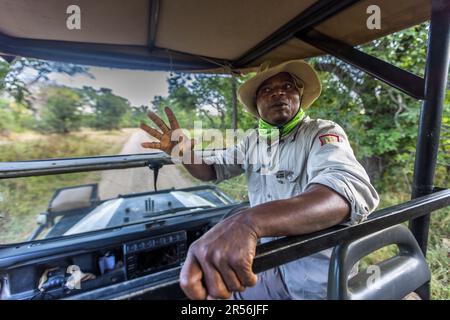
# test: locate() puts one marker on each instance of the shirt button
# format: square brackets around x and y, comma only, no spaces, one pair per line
[269,196]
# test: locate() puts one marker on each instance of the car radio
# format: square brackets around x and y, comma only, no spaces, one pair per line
[154,254]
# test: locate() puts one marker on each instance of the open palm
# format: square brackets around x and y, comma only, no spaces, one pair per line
[169,137]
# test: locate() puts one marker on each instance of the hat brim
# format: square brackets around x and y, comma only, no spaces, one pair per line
[298,68]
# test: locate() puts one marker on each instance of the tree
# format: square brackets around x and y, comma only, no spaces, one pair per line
[62,110]
[180,99]
[381,120]
[134,116]
[208,98]
[109,109]
[16,78]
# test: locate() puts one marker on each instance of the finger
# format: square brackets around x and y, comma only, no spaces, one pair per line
[230,278]
[153,132]
[157,120]
[228,275]
[172,119]
[215,285]
[246,276]
[151,145]
[191,279]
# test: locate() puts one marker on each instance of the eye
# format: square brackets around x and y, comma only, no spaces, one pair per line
[265,90]
[288,86]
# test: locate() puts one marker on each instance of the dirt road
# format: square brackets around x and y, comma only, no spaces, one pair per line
[115,182]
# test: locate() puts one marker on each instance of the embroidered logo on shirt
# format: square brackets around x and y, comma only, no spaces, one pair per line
[329,138]
[283,175]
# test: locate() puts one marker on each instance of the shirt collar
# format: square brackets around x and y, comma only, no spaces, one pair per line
[291,136]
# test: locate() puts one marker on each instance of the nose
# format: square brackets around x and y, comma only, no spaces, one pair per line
[278,91]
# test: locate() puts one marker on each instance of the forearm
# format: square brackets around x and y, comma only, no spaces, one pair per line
[317,208]
[200,170]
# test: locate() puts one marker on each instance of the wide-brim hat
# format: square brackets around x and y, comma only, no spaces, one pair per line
[299,69]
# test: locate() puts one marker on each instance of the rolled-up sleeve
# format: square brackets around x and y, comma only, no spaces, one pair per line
[332,163]
[227,163]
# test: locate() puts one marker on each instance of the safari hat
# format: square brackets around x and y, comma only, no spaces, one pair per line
[299,69]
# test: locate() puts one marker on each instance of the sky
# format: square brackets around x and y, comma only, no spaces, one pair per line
[139,87]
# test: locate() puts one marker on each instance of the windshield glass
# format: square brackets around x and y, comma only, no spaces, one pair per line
[59,205]
[51,110]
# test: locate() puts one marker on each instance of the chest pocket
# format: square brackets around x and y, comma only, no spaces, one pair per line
[286,183]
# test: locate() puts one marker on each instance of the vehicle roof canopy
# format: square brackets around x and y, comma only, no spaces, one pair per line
[192,35]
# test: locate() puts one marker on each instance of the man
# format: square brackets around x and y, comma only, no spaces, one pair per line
[317,183]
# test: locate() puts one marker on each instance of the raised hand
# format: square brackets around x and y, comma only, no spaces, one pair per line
[169,137]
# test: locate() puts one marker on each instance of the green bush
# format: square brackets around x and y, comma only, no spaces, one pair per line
[62,112]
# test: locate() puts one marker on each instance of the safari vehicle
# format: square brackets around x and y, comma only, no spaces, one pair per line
[221,37]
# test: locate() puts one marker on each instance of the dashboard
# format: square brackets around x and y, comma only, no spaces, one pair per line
[104,264]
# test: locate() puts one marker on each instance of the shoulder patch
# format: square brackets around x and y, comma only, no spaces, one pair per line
[329,138]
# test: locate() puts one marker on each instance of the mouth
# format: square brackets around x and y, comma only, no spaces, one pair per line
[278,104]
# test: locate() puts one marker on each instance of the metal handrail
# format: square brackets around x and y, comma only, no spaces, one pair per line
[69,165]
[30,168]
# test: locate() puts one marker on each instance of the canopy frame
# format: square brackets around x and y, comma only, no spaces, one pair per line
[308,19]
[398,78]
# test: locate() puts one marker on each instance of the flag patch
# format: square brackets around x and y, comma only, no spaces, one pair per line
[329,138]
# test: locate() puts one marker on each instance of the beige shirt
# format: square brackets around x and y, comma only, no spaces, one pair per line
[315,152]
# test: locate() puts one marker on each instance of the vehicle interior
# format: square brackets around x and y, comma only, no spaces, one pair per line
[133,246]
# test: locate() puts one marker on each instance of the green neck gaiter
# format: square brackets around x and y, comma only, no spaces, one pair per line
[267,130]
